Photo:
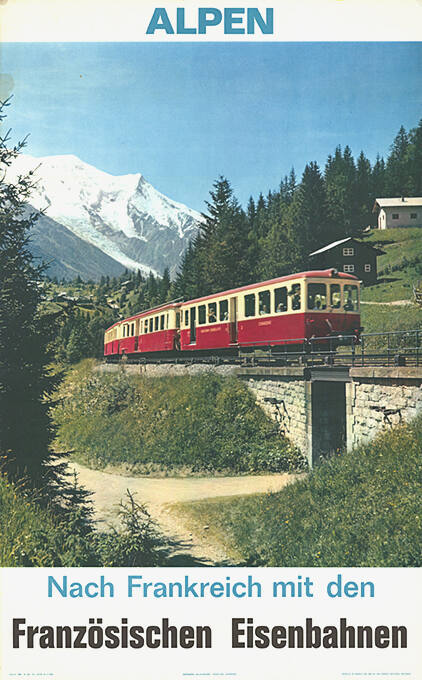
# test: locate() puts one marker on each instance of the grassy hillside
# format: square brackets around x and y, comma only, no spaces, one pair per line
[399,268]
[177,424]
[32,536]
[360,509]
[384,317]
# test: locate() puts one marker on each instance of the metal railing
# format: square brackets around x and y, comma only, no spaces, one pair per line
[389,348]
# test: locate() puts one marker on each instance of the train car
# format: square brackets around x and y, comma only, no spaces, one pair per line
[155,330]
[288,310]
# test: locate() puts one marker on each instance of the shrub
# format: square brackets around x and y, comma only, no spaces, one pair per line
[205,423]
[362,508]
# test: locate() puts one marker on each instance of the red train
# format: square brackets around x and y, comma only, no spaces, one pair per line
[287,311]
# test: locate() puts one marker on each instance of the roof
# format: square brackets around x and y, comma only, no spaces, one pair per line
[317,274]
[147,312]
[397,202]
[330,245]
[345,240]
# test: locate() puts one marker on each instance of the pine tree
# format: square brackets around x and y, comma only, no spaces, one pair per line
[223,251]
[414,157]
[378,179]
[26,384]
[164,285]
[397,170]
[308,219]
[340,183]
[363,192]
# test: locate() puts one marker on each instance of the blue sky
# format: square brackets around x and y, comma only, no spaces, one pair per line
[182,114]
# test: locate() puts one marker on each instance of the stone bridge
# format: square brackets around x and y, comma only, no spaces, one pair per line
[324,409]
[319,409]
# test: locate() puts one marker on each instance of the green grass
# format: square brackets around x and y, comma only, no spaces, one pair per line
[177,424]
[399,267]
[35,536]
[376,318]
[363,508]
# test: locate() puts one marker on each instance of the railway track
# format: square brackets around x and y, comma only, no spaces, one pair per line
[396,348]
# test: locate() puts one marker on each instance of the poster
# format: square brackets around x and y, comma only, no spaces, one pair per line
[131,105]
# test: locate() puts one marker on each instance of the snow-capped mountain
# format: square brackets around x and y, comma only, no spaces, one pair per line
[128,222]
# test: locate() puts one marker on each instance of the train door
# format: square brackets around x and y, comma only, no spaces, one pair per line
[233,319]
[192,325]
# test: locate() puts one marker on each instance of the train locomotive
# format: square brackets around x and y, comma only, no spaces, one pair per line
[285,313]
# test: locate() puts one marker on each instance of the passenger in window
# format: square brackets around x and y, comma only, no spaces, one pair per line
[263,310]
[296,301]
[348,305]
[226,316]
[212,317]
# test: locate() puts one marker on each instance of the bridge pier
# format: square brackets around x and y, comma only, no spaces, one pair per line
[320,409]
[325,409]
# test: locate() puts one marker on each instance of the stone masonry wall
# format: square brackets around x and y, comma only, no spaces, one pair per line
[370,394]
[293,396]
[158,370]
[376,390]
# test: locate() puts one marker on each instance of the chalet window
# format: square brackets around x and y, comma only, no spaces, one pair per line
[413,216]
[351,298]
[367,267]
[348,252]
[162,322]
[295,296]
[186,318]
[349,268]
[224,310]
[395,216]
[201,314]
[317,296]
[250,305]
[280,299]
[335,295]
[212,312]
[264,302]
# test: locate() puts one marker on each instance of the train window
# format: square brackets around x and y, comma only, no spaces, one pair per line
[156,323]
[201,314]
[132,329]
[295,296]
[351,298]
[212,312]
[186,318]
[250,305]
[151,325]
[335,295]
[280,299]
[264,302]
[162,322]
[224,310]
[146,326]
[167,320]
[177,319]
[317,296]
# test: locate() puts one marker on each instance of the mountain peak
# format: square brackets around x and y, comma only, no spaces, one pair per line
[123,216]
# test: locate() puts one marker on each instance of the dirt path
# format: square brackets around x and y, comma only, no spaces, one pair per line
[393,303]
[160,494]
